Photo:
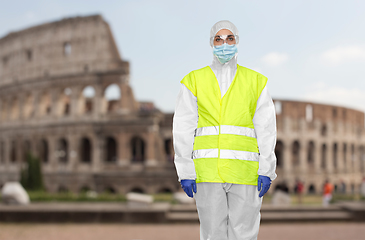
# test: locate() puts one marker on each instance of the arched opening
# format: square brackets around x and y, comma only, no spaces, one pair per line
[84,189]
[26,150]
[62,151]
[88,95]
[85,150]
[279,153]
[311,189]
[138,149]
[13,151]
[324,156]
[66,101]
[14,110]
[352,157]
[168,150]
[2,152]
[295,153]
[362,158]
[43,151]
[335,157]
[165,190]
[45,104]
[344,157]
[28,106]
[111,150]
[324,130]
[113,96]
[137,190]
[110,190]
[310,154]
[62,189]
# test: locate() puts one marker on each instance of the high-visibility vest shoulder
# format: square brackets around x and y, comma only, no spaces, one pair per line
[225,145]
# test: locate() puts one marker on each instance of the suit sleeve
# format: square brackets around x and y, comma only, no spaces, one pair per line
[185,122]
[264,121]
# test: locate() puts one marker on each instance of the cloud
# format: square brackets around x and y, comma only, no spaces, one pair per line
[343,54]
[334,95]
[275,58]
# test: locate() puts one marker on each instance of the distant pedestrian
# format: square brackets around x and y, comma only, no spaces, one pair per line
[299,190]
[327,193]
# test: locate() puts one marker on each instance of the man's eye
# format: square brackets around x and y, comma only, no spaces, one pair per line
[217,39]
[231,39]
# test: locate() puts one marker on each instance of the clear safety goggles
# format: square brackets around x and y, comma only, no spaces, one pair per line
[221,39]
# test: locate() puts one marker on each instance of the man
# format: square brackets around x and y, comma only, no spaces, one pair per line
[224,132]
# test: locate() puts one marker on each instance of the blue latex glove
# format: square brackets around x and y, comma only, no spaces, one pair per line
[188,185]
[266,182]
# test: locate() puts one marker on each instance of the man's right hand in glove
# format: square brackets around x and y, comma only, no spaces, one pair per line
[189,186]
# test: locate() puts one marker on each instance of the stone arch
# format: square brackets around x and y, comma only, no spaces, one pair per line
[14,109]
[26,149]
[344,156]
[85,150]
[295,153]
[62,189]
[65,101]
[279,153]
[13,151]
[45,104]
[165,190]
[169,150]
[335,156]
[138,149]
[324,130]
[110,189]
[112,94]
[84,189]
[2,151]
[311,189]
[362,158]
[352,156]
[310,154]
[324,156]
[62,150]
[137,189]
[111,149]
[87,99]
[43,150]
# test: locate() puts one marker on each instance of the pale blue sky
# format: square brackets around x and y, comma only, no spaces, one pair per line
[310,50]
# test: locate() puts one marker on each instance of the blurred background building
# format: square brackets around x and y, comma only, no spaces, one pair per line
[55,80]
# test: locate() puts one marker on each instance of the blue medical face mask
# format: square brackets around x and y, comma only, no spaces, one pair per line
[225,52]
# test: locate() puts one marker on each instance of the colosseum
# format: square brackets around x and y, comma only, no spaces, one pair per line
[55,83]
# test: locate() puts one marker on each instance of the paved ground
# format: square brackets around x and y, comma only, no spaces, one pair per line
[297,231]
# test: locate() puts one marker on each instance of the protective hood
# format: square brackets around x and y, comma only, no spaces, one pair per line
[224,72]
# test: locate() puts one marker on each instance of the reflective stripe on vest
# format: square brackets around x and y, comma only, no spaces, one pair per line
[226,154]
[226,129]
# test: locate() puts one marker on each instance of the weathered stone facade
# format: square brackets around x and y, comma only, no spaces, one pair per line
[123,145]
[83,142]
[317,142]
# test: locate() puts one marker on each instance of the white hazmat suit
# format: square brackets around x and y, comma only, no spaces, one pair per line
[226,211]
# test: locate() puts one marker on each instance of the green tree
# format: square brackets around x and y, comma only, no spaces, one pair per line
[31,176]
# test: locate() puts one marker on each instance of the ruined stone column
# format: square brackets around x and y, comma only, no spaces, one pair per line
[98,144]
[98,101]
[329,158]
[55,102]
[287,160]
[123,156]
[73,156]
[303,156]
[151,155]
[75,101]
[317,156]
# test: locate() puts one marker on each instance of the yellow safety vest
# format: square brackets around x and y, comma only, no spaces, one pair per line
[225,145]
